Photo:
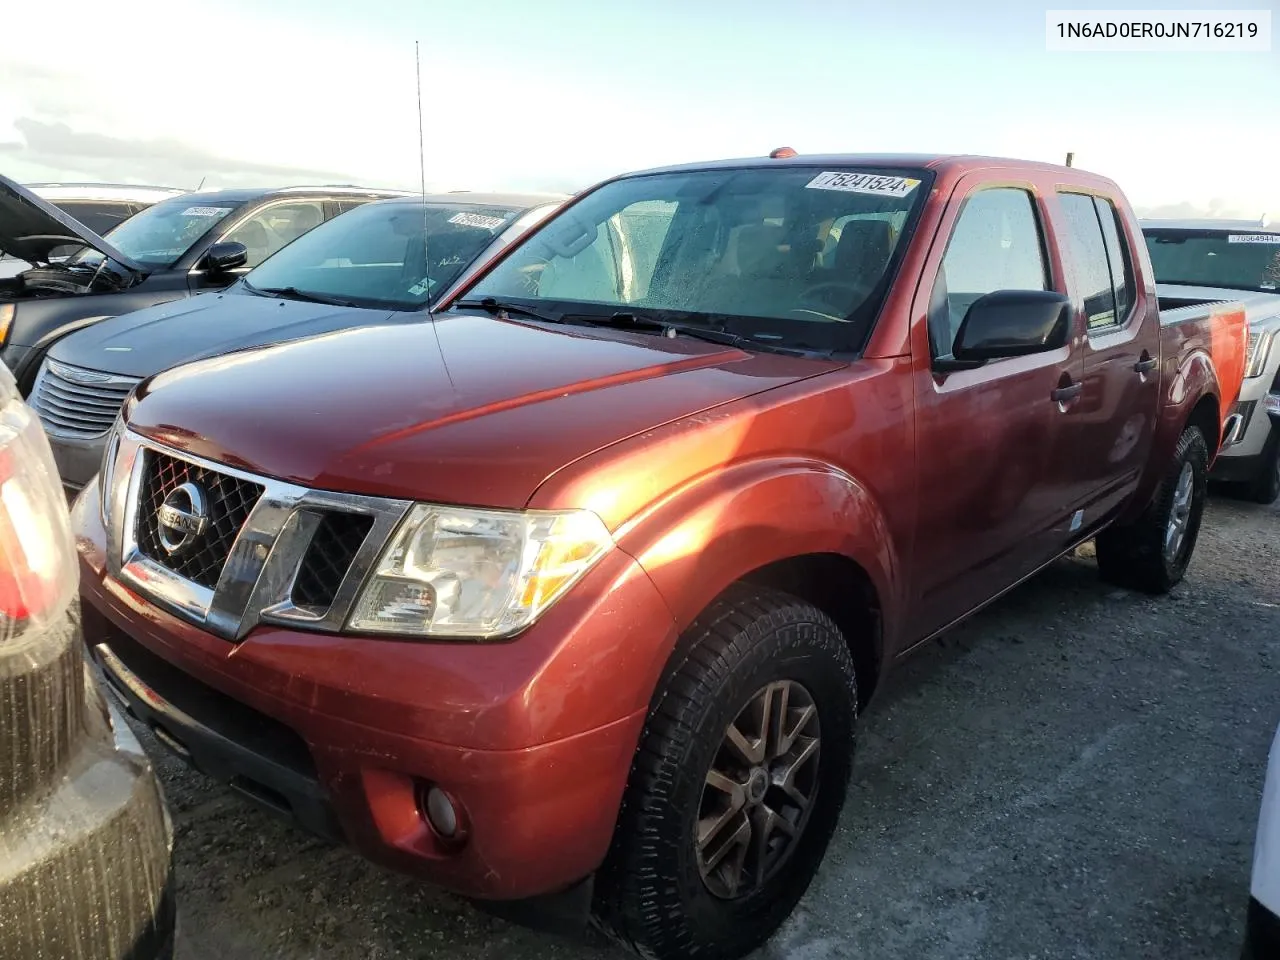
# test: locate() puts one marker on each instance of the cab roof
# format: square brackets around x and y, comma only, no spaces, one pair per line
[961,163]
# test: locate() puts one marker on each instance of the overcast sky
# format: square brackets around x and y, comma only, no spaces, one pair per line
[559,94]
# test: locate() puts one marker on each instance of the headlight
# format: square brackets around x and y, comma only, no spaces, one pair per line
[457,572]
[1259,347]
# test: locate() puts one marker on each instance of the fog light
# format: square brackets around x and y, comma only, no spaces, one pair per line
[441,814]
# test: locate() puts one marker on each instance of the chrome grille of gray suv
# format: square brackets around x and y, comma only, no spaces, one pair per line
[78,403]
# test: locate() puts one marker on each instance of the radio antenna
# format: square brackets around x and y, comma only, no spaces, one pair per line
[422,173]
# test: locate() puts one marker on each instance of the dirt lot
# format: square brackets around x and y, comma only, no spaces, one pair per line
[1073,774]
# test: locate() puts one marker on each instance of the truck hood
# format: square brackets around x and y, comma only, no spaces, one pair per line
[1257,305]
[467,409]
[153,339]
[31,228]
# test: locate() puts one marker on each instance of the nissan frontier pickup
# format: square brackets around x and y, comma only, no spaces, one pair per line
[570,599]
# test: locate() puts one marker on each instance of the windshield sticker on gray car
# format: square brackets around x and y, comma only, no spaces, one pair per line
[422,286]
[204,211]
[1254,238]
[872,183]
[476,220]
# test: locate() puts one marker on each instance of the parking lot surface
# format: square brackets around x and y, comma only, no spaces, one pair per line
[1075,773]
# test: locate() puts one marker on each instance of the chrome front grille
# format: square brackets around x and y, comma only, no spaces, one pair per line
[78,403]
[228,501]
[228,550]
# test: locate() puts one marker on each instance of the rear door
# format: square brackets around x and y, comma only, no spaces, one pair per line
[1110,429]
[989,440]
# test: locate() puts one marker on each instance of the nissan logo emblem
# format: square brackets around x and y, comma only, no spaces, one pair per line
[182,517]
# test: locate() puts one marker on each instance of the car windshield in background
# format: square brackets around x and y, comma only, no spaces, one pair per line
[159,235]
[375,255]
[796,256]
[1237,260]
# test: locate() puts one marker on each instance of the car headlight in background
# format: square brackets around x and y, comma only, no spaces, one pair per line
[1259,347]
[481,574]
[38,572]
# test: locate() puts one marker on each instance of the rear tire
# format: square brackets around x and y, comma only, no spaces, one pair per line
[1152,553]
[668,888]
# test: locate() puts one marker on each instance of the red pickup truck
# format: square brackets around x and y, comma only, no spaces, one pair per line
[572,595]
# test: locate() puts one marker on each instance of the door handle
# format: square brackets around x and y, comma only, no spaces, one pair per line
[1069,392]
[1145,365]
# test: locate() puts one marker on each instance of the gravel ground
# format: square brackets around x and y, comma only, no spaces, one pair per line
[1073,774]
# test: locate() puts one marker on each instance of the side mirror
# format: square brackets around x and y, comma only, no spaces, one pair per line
[1013,323]
[225,255]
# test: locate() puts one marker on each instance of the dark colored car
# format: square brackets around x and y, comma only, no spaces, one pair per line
[369,266]
[85,841]
[577,591]
[189,244]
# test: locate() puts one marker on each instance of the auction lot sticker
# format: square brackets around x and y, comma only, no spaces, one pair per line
[872,183]
[477,220]
[1254,238]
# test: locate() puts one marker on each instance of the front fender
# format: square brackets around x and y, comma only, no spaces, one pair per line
[715,531]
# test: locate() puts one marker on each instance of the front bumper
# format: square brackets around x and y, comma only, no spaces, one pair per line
[532,739]
[86,860]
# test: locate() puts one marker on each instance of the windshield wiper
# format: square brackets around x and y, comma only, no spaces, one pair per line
[495,306]
[293,293]
[626,320]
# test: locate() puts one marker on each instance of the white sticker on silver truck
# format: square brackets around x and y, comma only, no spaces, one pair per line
[476,220]
[872,183]
[204,211]
[1254,238]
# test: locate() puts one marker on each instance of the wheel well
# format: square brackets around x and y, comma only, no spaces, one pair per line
[1205,416]
[841,589]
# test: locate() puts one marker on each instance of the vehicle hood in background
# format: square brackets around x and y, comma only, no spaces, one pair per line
[31,228]
[153,339]
[465,409]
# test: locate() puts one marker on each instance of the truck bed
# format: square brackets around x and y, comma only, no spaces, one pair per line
[1218,329]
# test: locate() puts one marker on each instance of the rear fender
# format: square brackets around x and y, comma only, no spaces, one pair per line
[719,528]
[1194,380]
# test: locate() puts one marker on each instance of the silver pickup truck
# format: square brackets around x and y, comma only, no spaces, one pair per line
[1197,261]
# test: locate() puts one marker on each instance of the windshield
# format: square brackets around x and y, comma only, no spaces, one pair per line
[159,235]
[791,255]
[374,255]
[1239,260]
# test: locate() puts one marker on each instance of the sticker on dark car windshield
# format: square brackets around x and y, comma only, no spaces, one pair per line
[476,220]
[204,211]
[873,183]
[1254,238]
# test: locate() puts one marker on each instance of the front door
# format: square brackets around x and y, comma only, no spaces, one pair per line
[988,440]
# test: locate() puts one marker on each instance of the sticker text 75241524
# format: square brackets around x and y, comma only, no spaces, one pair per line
[873,183]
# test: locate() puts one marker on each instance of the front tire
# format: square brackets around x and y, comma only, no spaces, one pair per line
[737,784]
[1152,553]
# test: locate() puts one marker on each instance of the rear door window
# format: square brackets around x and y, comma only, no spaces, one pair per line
[1103,263]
